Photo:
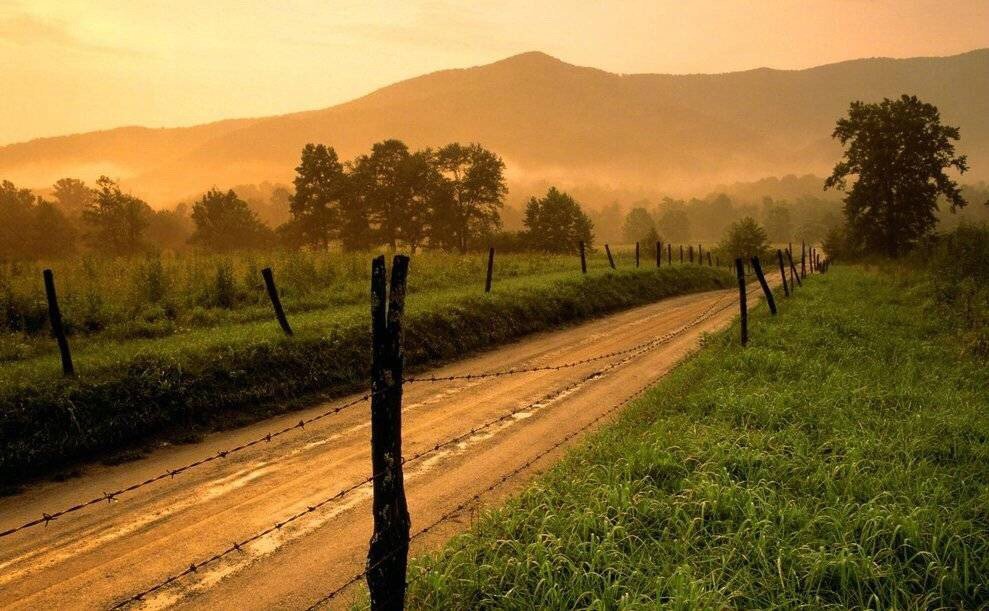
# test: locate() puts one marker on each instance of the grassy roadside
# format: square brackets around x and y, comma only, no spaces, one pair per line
[251,371]
[841,460]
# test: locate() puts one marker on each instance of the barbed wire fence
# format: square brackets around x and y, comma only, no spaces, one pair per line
[376,395]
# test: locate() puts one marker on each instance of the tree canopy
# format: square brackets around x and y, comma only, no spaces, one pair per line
[898,152]
[744,239]
[224,223]
[556,223]
[117,220]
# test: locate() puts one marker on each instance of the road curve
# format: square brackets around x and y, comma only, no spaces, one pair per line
[103,554]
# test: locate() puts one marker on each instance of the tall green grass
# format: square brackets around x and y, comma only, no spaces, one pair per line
[841,460]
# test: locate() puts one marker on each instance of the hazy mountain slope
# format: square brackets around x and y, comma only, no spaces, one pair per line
[549,119]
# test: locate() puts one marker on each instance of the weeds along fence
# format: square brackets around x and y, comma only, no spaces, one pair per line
[387,558]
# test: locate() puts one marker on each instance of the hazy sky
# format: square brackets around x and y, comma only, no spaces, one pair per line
[78,65]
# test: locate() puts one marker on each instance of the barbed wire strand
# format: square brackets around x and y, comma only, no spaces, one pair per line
[112,496]
[238,546]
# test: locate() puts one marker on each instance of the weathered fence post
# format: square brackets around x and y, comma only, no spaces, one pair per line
[583,259]
[611,260]
[786,288]
[709,258]
[742,305]
[803,260]
[669,254]
[700,255]
[659,253]
[794,275]
[276,302]
[637,254]
[690,252]
[387,556]
[55,318]
[757,267]
[487,279]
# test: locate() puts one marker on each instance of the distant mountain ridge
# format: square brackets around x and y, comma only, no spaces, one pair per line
[549,120]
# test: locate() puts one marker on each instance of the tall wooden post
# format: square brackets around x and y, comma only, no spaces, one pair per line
[757,267]
[742,305]
[637,254]
[794,274]
[583,259]
[487,279]
[387,557]
[786,288]
[611,260]
[55,318]
[276,302]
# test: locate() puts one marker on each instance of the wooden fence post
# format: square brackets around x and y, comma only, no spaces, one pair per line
[583,259]
[803,260]
[681,254]
[611,260]
[669,254]
[742,305]
[276,302]
[387,557]
[794,275]
[659,253]
[690,251]
[709,258]
[700,254]
[55,318]
[757,267]
[637,254]
[487,279]
[786,288]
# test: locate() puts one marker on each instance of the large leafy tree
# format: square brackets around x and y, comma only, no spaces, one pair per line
[898,152]
[72,196]
[639,226]
[555,223]
[672,222]
[117,220]
[224,223]
[745,239]
[477,185]
[320,185]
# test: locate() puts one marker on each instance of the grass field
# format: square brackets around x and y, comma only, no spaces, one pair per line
[130,390]
[840,461]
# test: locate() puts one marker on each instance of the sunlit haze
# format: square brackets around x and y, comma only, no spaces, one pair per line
[72,66]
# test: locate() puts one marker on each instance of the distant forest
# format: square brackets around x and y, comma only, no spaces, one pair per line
[453,198]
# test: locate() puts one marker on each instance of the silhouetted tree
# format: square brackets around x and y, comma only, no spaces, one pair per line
[898,150]
[117,220]
[673,223]
[72,196]
[224,223]
[320,185]
[477,185]
[15,218]
[639,226]
[745,239]
[555,223]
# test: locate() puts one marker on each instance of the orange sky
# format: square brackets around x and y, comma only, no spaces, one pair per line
[76,65]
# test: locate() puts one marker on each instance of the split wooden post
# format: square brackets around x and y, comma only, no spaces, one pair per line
[276,302]
[611,260]
[583,259]
[387,557]
[659,253]
[487,279]
[794,275]
[757,267]
[55,318]
[786,288]
[637,254]
[742,305]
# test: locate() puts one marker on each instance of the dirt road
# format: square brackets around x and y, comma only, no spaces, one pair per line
[103,554]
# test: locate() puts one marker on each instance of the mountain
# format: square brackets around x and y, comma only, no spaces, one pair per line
[549,120]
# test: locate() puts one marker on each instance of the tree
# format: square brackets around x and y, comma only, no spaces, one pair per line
[477,185]
[556,223]
[639,226]
[673,223]
[15,218]
[117,220]
[745,239]
[224,223]
[776,218]
[898,151]
[72,196]
[320,185]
